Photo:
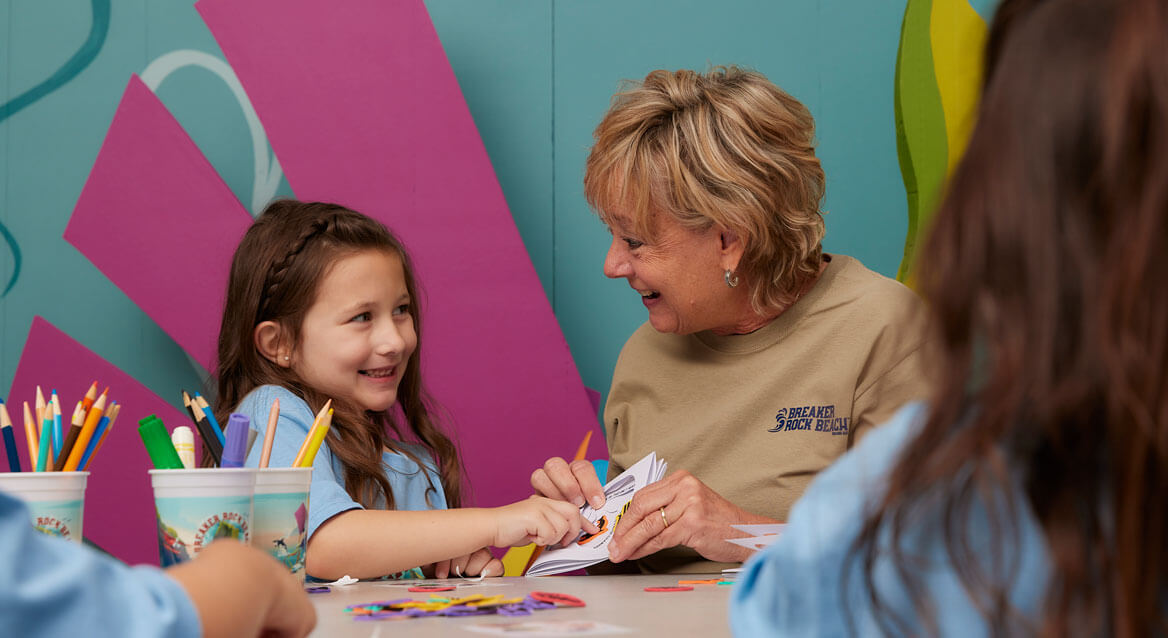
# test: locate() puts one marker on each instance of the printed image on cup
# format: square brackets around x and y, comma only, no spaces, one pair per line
[195,507]
[280,521]
[55,500]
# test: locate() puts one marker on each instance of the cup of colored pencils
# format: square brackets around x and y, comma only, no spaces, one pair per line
[196,506]
[52,478]
[281,494]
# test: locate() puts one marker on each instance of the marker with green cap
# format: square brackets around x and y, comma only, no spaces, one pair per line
[158,445]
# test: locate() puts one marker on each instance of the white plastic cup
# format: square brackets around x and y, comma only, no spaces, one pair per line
[281,515]
[55,500]
[197,506]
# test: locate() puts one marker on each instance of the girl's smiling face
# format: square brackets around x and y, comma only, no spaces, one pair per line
[358,335]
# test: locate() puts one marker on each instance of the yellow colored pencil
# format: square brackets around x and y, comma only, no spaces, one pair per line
[40,406]
[317,437]
[320,416]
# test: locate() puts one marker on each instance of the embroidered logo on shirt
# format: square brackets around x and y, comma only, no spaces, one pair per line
[817,418]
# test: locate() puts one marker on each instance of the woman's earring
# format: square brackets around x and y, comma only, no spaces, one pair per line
[287,358]
[731,282]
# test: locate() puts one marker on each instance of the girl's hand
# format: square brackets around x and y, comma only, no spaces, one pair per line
[479,562]
[539,520]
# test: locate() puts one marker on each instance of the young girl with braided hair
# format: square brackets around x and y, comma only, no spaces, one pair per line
[322,304]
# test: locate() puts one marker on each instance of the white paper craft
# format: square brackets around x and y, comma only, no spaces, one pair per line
[590,549]
[761,535]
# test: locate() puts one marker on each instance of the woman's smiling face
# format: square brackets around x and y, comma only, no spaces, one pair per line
[678,272]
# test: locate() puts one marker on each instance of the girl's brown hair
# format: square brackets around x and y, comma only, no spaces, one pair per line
[1047,273]
[274,277]
[725,148]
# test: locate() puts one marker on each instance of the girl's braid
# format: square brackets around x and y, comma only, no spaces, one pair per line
[276,277]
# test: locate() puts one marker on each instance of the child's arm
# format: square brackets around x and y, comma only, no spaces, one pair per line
[372,543]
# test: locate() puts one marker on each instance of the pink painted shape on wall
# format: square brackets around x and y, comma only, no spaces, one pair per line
[362,108]
[119,502]
[156,218]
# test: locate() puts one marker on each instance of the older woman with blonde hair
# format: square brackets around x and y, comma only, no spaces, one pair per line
[764,358]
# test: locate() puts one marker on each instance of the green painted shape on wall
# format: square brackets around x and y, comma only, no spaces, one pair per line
[921,143]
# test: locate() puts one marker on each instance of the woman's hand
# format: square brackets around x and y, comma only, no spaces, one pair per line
[478,562]
[538,520]
[694,516]
[574,482]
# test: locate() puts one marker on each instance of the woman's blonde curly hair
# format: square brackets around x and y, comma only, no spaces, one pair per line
[725,148]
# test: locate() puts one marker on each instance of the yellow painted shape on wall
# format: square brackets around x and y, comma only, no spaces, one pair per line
[957,34]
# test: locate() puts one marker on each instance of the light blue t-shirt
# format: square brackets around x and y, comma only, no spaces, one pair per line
[795,587]
[328,497]
[54,587]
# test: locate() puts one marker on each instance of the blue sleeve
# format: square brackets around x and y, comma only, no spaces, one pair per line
[53,587]
[795,586]
[328,497]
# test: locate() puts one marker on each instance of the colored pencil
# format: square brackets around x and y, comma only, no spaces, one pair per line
[316,437]
[75,423]
[112,413]
[312,432]
[31,432]
[40,407]
[9,439]
[202,404]
[210,441]
[98,433]
[58,433]
[45,446]
[582,451]
[90,396]
[270,433]
[92,417]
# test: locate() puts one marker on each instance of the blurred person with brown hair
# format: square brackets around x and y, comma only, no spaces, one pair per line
[1028,496]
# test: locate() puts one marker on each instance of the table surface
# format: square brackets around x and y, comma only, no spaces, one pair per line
[619,600]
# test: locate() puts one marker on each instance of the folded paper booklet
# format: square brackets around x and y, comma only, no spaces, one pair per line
[590,549]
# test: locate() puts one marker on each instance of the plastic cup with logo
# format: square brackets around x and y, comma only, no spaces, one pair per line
[55,500]
[198,506]
[281,514]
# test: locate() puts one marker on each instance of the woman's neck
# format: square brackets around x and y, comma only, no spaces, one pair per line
[754,321]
